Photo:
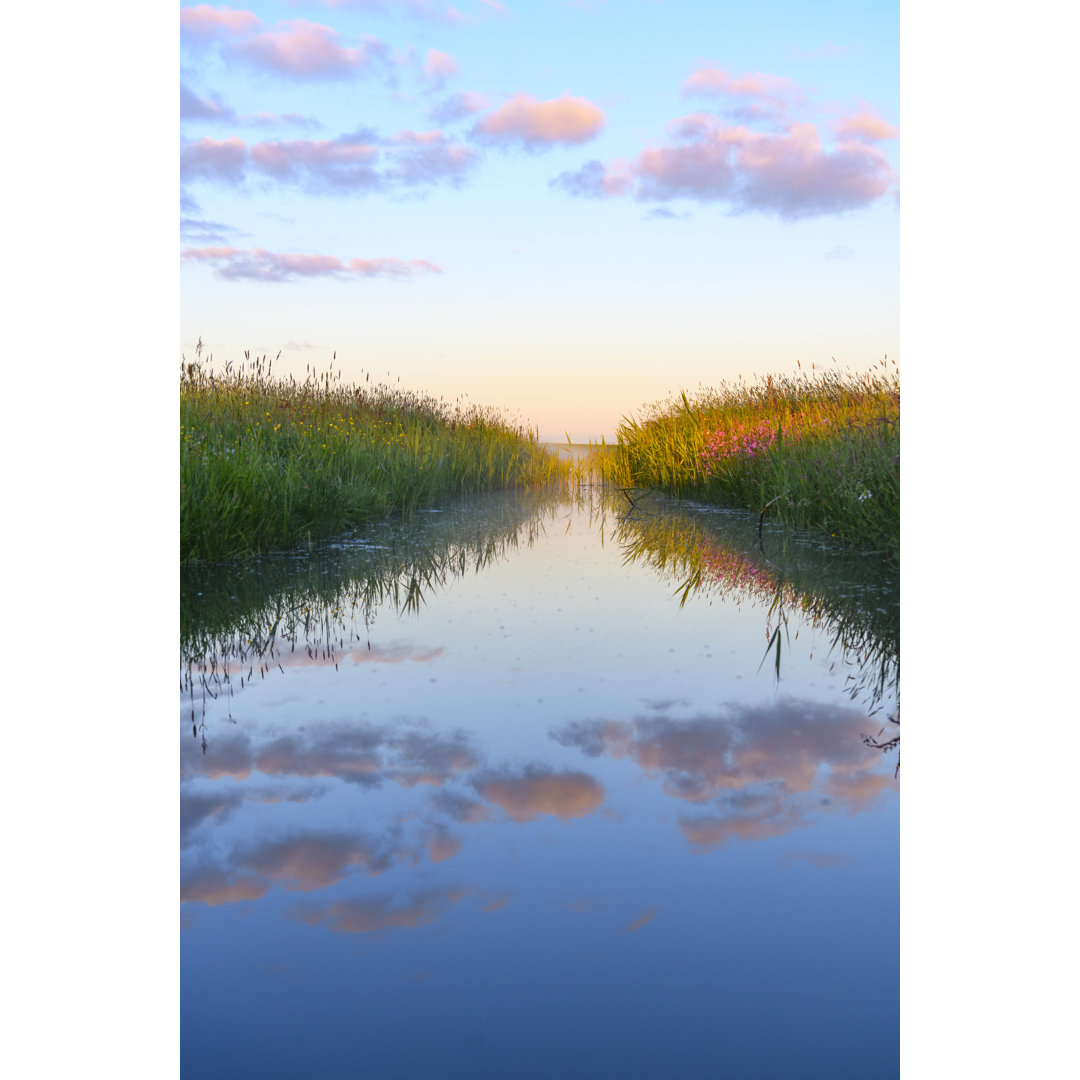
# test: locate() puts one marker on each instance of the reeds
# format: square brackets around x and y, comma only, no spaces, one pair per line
[815,451]
[267,463]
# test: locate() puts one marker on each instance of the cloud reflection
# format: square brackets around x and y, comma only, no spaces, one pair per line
[213,886]
[645,917]
[749,819]
[460,808]
[376,914]
[538,790]
[359,753]
[315,860]
[195,809]
[755,765]
[442,844]
[784,743]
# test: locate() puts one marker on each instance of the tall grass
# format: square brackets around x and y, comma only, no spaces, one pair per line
[269,462]
[814,451]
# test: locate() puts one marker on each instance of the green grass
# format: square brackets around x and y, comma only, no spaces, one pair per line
[817,451]
[267,463]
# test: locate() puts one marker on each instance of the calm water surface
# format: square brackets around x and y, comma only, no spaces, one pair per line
[542,787]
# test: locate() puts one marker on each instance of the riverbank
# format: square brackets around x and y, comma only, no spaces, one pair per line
[818,451]
[267,463]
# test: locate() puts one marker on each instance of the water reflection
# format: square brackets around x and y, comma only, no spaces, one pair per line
[747,771]
[526,739]
[853,599]
[755,767]
[313,608]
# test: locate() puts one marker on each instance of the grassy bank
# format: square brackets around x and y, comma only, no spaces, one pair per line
[267,462]
[815,451]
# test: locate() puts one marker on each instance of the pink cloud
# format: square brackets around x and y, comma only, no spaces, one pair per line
[417,138]
[306,50]
[212,108]
[440,66]
[344,162]
[257,264]
[193,107]
[205,21]
[713,81]
[754,97]
[348,163]
[790,174]
[214,159]
[540,123]
[595,180]
[427,157]
[865,125]
[794,176]
[464,103]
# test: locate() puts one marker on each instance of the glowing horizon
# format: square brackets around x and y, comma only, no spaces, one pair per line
[560,212]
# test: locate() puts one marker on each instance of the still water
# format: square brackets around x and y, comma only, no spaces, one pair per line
[542,786]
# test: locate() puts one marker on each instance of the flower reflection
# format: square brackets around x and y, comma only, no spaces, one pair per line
[854,600]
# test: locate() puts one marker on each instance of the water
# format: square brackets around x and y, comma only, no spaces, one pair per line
[542,786]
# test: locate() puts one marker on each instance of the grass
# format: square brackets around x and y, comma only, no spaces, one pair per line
[268,463]
[817,451]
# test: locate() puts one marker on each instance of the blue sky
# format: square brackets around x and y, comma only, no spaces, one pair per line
[563,210]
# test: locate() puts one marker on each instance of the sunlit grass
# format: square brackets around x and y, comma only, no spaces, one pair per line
[814,451]
[268,462]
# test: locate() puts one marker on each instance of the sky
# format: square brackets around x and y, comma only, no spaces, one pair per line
[567,211]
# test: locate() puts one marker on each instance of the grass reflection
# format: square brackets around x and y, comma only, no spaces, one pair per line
[244,621]
[241,622]
[853,599]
